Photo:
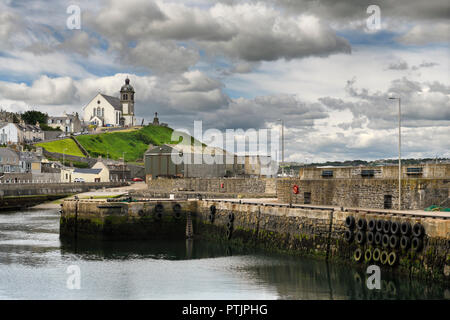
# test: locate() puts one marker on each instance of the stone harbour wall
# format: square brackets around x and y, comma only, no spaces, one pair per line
[230,185]
[365,193]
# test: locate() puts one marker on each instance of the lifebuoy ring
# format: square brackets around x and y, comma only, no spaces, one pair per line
[295,189]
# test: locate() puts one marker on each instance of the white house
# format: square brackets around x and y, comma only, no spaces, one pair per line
[8,133]
[104,110]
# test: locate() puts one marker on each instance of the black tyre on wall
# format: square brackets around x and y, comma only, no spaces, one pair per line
[368,255]
[418,230]
[379,226]
[371,237]
[417,244]
[392,258]
[372,225]
[385,241]
[231,216]
[350,222]
[394,241]
[376,254]
[405,228]
[176,208]
[349,236]
[361,237]
[405,242]
[395,228]
[361,224]
[387,226]
[212,209]
[357,255]
[378,238]
[384,257]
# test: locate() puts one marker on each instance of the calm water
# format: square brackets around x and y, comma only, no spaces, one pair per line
[33,265]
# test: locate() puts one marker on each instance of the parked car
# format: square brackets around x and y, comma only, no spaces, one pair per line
[137,179]
[63,135]
[78,180]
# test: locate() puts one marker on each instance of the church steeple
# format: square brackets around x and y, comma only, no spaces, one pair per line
[127,101]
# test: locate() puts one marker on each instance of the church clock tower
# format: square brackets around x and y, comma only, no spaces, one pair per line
[127,101]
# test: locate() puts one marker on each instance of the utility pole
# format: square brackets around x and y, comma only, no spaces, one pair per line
[123,166]
[399,152]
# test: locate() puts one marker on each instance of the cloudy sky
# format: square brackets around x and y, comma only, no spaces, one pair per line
[244,64]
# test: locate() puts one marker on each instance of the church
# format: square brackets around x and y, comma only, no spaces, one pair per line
[108,111]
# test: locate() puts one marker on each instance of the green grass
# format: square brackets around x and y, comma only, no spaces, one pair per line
[66,146]
[134,143]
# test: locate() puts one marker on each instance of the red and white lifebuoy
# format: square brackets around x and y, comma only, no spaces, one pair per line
[295,189]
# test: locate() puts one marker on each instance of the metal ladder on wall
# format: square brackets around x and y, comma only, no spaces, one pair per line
[189,227]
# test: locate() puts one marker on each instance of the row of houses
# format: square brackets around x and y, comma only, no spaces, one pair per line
[25,166]
[20,133]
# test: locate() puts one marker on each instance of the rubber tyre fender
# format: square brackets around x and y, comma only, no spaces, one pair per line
[384,257]
[379,225]
[405,228]
[418,230]
[231,217]
[385,241]
[361,237]
[159,207]
[228,234]
[376,254]
[392,258]
[361,224]
[370,237]
[211,218]
[357,255]
[212,209]
[378,238]
[371,226]
[350,222]
[394,240]
[405,242]
[395,228]
[349,236]
[177,210]
[387,226]
[368,255]
[417,244]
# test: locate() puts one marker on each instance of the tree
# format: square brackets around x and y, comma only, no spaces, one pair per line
[33,116]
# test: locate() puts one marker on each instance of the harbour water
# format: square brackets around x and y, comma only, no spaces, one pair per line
[34,264]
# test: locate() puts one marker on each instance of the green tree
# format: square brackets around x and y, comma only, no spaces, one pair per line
[33,116]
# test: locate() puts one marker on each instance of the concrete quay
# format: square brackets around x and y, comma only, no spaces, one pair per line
[358,236]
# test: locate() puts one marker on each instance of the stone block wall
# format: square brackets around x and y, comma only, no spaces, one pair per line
[230,185]
[365,193]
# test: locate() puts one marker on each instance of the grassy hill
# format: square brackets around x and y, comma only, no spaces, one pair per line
[133,143]
[67,146]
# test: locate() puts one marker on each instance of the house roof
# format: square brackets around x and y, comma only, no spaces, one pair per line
[8,153]
[87,171]
[115,102]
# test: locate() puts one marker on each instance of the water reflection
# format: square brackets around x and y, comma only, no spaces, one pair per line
[33,261]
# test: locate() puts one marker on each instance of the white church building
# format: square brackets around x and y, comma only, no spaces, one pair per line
[108,111]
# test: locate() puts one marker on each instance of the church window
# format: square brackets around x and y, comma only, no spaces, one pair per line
[94,112]
[98,111]
[125,96]
[132,96]
[103,112]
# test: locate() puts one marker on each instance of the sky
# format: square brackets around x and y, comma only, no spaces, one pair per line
[326,68]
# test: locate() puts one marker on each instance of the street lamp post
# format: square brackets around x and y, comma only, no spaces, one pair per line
[282,146]
[399,152]
[64,156]
[123,166]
